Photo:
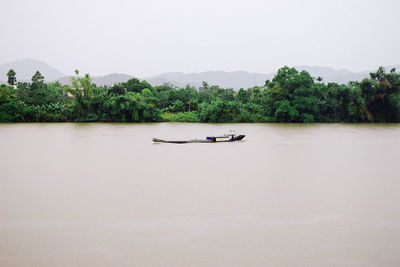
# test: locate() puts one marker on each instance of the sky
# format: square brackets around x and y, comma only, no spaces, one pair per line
[145,38]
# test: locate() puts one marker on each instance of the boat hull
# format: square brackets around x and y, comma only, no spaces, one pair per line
[208,140]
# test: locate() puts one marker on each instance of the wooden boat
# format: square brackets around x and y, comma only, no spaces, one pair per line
[231,137]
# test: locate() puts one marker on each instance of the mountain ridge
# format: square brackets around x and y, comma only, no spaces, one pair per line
[25,69]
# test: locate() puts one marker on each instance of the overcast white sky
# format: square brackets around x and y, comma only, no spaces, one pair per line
[150,37]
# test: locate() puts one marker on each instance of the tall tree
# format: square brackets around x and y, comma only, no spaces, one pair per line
[84,94]
[37,77]
[11,77]
[204,86]
[136,86]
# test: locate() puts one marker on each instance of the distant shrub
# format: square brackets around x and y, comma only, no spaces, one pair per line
[192,116]
[89,118]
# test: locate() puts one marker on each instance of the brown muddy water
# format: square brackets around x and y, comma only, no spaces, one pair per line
[288,195]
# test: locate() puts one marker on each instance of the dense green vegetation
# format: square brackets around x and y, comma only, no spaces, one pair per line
[291,96]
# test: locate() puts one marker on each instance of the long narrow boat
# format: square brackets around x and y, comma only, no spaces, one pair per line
[209,139]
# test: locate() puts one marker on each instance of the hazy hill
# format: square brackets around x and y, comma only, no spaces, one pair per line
[109,79]
[332,75]
[240,79]
[237,79]
[26,68]
[341,76]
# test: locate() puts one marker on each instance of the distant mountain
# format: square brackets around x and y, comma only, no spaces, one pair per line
[26,68]
[109,79]
[240,79]
[342,76]
[236,80]
[331,75]
[224,79]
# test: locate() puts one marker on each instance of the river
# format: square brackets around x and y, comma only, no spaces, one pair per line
[288,195]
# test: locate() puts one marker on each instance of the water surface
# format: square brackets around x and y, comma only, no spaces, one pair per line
[288,195]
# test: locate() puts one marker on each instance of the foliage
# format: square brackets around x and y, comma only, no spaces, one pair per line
[291,96]
[37,77]
[11,77]
[192,116]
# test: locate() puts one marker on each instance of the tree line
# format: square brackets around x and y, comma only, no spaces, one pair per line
[291,96]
